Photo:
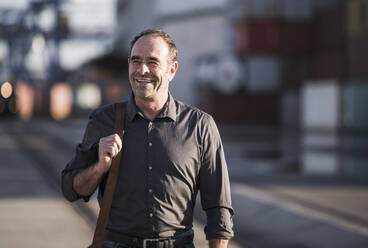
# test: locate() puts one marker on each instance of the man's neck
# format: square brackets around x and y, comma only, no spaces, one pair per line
[151,107]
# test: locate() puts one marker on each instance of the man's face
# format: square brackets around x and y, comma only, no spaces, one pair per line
[150,70]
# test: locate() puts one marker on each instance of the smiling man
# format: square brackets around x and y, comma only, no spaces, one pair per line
[170,151]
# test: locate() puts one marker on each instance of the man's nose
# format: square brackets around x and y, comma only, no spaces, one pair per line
[143,68]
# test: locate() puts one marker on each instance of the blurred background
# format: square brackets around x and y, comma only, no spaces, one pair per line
[286,81]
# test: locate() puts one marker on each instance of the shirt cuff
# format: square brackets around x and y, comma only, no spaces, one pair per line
[219,223]
[67,186]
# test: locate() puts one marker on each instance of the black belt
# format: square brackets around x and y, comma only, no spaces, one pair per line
[169,242]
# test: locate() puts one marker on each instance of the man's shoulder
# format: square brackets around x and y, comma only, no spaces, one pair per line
[103,111]
[193,111]
[199,120]
[104,115]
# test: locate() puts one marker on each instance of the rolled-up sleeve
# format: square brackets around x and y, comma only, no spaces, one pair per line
[86,154]
[214,184]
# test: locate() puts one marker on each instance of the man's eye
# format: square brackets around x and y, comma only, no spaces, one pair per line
[153,63]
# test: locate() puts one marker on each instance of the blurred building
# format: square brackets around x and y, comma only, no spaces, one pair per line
[291,64]
[198,28]
[298,65]
[43,43]
[253,54]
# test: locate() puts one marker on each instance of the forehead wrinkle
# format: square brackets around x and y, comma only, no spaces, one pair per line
[134,57]
[137,56]
[146,46]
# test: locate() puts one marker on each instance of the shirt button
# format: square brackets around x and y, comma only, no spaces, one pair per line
[150,144]
[150,190]
[151,214]
[150,167]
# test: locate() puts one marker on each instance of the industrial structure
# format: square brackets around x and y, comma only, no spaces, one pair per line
[299,66]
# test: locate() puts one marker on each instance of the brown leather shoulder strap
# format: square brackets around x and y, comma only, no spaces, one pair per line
[119,117]
[104,213]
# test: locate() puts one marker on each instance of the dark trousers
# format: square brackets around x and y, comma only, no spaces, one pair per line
[113,244]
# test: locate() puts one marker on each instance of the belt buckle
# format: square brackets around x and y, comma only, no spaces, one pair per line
[149,240]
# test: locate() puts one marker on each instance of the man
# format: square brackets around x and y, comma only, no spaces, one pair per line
[169,151]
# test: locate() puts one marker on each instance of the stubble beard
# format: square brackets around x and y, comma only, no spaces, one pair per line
[147,91]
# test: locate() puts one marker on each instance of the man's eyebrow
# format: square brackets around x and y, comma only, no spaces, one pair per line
[149,58]
[154,59]
[134,57]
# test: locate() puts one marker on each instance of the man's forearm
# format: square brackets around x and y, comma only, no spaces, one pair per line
[87,180]
[218,243]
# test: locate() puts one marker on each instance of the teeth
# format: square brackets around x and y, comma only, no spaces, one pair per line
[143,80]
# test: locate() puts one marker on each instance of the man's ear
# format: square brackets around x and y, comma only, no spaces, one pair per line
[173,69]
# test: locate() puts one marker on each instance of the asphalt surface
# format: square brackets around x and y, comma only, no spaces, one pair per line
[274,206]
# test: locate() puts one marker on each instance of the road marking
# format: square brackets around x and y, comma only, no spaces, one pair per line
[260,195]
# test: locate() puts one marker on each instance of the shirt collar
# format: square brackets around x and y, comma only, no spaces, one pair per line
[131,110]
[168,111]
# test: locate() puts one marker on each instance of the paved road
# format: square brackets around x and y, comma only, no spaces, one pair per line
[33,213]
[272,210]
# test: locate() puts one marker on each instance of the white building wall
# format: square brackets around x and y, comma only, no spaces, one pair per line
[170,7]
[194,37]
[321,105]
[197,27]
[136,17]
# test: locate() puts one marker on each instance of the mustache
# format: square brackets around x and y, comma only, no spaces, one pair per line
[148,76]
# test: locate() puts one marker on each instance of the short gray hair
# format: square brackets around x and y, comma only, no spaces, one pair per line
[173,51]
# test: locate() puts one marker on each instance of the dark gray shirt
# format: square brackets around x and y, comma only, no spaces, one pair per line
[164,164]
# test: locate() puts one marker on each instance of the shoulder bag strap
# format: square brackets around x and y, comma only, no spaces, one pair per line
[104,213]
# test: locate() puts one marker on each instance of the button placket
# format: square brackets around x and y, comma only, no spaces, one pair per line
[149,171]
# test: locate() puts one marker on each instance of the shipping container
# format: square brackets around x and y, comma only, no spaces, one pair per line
[246,108]
[334,124]
[320,116]
[254,37]
[295,70]
[355,120]
[290,109]
[355,105]
[356,17]
[322,6]
[297,10]
[265,9]
[358,56]
[321,105]
[263,73]
[296,38]
[264,37]
[315,162]
[255,9]
[356,166]
[331,64]
[272,9]
[329,29]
